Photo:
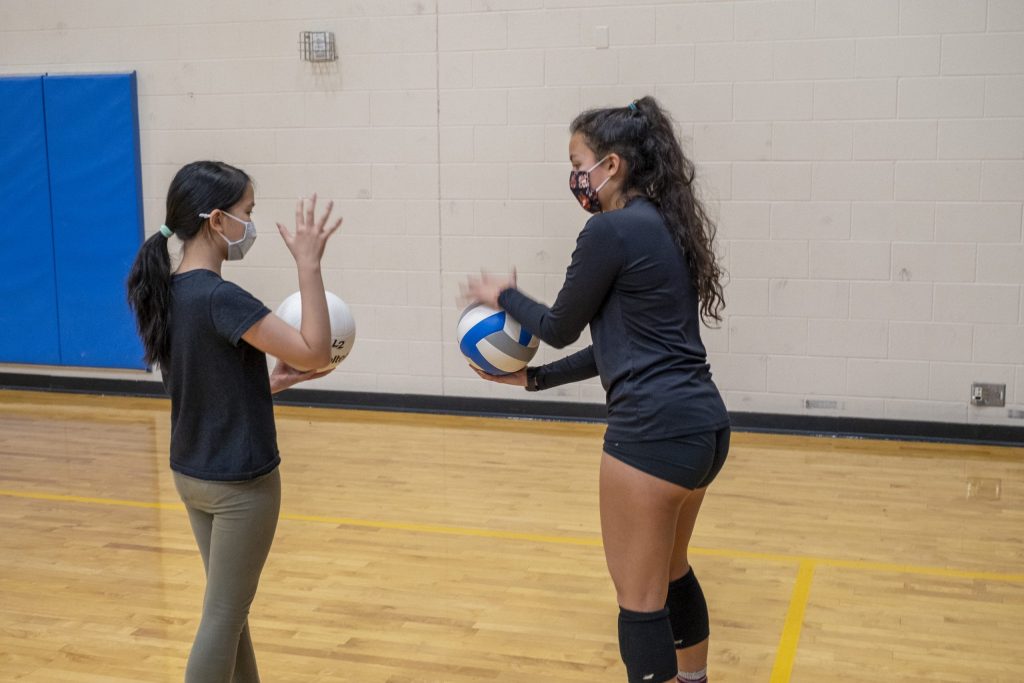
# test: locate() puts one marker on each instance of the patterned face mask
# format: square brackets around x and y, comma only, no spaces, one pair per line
[579,184]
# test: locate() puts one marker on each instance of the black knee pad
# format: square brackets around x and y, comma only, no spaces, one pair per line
[688,611]
[645,643]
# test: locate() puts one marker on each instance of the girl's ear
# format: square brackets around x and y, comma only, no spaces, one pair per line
[215,222]
[614,164]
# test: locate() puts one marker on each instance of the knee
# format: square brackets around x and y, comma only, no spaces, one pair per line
[642,598]
[227,613]
[645,644]
[688,611]
[678,569]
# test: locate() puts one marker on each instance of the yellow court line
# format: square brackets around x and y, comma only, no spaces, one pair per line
[895,568]
[863,565]
[441,529]
[60,497]
[784,656]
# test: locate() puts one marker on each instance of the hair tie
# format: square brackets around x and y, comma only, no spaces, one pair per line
[166,232]
[632,106]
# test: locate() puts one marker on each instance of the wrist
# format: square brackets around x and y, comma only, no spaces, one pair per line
[532,383]
[307,266]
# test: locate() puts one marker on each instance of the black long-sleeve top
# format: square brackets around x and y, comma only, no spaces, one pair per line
[630,282]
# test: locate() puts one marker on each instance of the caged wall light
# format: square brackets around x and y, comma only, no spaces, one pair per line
[317,46]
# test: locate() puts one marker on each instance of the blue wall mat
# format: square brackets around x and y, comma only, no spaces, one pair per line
[28,293]
[95,184]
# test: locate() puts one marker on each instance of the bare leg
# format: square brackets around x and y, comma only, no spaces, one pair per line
[639,518]
[695,657]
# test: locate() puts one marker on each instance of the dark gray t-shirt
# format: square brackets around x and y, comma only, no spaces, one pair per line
[222,414]
[630,282]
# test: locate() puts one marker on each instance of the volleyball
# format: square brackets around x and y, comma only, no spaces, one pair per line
[493,341]
[343,325]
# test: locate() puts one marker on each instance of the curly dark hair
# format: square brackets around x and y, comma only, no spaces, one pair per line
[656,167]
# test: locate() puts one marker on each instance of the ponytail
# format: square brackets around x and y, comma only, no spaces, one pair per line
[198,188]
[149,295]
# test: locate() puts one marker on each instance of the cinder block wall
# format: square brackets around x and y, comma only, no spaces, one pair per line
[865,160]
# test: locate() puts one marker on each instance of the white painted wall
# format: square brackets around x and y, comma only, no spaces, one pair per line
[865,159]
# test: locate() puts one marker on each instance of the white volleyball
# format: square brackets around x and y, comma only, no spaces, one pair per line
[343,325]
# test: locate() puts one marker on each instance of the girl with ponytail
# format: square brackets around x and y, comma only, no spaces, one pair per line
[209,337]
[643,276]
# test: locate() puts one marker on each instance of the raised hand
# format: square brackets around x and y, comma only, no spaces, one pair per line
[311,234]
[486,288]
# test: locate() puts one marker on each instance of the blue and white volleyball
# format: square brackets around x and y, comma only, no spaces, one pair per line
[493,342]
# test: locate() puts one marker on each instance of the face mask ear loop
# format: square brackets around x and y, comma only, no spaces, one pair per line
[604,159]
[207,216]
[607,178]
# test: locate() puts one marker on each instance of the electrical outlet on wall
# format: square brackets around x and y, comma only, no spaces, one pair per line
[988,395]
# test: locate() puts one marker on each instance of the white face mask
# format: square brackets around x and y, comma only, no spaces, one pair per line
[237,249]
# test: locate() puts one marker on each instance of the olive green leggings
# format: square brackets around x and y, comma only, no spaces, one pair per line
[234,524]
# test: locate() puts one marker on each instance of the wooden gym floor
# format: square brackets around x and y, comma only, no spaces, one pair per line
[455,549]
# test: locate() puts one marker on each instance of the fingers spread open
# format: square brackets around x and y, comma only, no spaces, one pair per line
[334,228]
[310,211]
[323,219]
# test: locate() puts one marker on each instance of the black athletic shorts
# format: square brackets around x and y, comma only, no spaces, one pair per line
[690,461]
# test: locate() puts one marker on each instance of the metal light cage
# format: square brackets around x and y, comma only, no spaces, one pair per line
[317,46]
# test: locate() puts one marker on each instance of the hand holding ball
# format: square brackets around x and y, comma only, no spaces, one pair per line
[493,342]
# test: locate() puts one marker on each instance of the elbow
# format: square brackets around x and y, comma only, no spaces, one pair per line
[314,360]
[322,360]
[561,339]
[320,354]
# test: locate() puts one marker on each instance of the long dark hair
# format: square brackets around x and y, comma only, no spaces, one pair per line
[199,187]
[656,167]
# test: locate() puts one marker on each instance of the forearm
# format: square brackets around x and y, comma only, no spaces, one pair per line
[316,323]
[591,274]
[538,319]
[573,368]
